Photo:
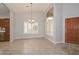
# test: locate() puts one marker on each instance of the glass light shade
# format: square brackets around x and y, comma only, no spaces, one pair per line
[49,18]
[33,20]
[29,20]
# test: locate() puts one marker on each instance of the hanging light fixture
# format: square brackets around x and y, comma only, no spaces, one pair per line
[50,13]
[31,19]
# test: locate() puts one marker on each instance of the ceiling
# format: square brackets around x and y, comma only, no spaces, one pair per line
[26,7]
[3,9]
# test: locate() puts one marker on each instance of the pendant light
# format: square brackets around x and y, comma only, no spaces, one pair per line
[31,17]
[50,12]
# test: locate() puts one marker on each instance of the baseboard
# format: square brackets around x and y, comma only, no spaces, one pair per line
[50,38]
[11,40]
[30,37]
[53,40]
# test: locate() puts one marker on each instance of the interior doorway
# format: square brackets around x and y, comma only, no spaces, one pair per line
[4,29]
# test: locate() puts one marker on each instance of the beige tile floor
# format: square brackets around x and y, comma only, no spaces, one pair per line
[36,46]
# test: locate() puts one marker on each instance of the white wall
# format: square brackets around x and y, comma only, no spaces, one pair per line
[58,23]
[70,10]
[19,20]
[12,26]
[4,15]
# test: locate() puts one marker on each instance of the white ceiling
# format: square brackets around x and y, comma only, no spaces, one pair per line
[21,7]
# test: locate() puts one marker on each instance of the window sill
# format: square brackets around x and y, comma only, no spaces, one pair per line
[30,33]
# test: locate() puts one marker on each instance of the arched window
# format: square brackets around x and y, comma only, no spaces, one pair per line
[30,26]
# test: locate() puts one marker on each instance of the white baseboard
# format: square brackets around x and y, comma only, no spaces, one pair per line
[53,40]
[11,40]
[35,36]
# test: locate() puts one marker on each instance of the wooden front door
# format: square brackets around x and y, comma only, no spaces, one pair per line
[72,30]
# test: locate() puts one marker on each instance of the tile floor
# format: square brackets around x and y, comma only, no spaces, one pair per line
[37,46]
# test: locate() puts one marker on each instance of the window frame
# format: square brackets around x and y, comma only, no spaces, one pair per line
[31,32]
[49,26]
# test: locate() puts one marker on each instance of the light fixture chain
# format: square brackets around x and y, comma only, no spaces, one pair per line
[31,11]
